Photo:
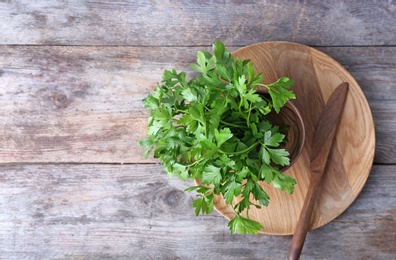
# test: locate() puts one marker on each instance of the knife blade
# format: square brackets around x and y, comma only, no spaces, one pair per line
[322,142]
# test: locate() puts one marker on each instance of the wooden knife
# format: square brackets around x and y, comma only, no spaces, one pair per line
[322,142]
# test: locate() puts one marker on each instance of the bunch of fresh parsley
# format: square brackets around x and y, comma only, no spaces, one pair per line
[214,129]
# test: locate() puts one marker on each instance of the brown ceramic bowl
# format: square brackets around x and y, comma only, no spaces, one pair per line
[289,117]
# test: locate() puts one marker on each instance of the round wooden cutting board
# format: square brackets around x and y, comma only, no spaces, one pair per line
[316,75]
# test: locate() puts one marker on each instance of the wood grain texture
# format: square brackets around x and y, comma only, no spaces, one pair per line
[82,104]
[66,97]
[135,212]
[322,142]
[106,22]
[378,89]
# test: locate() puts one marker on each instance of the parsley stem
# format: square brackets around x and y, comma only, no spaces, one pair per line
[231,124]
[243,151]
[248,117]
[233,208]
[192,164]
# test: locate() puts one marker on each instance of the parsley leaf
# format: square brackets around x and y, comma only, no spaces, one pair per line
[280,93]
[231,189]
[244,225]
[211,175]
[189,94]
[283,182]
[203,204]
[222,136]
[260,195]
[279,156]
[273,140]
[204,65]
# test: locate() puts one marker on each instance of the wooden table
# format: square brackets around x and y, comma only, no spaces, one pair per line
[73,183]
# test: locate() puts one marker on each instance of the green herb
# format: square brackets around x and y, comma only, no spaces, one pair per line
[214,128]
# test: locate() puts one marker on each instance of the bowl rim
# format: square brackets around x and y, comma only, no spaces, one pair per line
[301,134]
[300,122]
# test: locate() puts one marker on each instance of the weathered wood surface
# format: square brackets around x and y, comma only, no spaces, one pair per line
[74,22]
[135,212]
[72,74]
[83,104]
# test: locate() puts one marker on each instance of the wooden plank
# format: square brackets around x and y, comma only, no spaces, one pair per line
[135,212]
[129,22]
[372,67]
[82,104]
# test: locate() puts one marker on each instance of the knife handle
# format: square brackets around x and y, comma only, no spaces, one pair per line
[304,222]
